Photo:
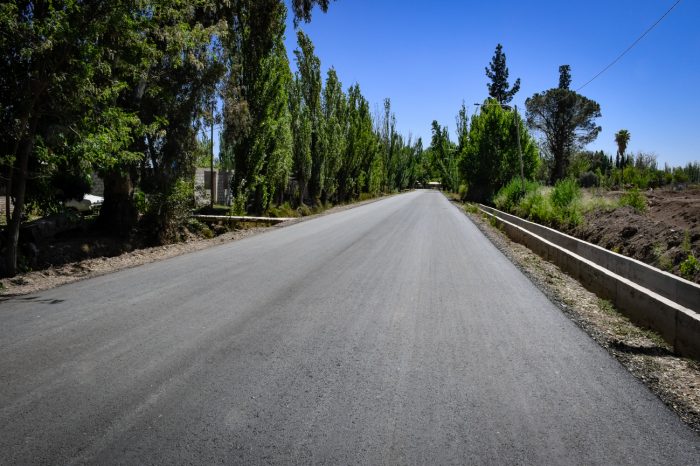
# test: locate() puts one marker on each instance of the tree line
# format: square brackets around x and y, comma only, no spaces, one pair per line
[497,146]
[125,89]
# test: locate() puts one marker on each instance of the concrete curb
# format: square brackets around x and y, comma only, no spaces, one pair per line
[678,325]
[677,289]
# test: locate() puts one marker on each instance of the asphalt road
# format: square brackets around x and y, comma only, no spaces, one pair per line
[392,333]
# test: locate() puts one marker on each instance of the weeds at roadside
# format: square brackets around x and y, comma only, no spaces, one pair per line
[471,208]
[690,267]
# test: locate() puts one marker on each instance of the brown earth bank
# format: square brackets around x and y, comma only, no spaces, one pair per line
[663,236]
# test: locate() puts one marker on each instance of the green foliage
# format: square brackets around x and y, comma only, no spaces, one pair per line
[537,207]
[588,180]
[491,158]
[497,72]
[167,212]
[283,211]
[635,199]
[558,207]
[304,210]
[685,245]
[690,267]
[310,85]
[566,121]
[462,191]
[622,138]
[565,192]
[444,158]
[140,201]
[509,196]
[471,208]
[257,137]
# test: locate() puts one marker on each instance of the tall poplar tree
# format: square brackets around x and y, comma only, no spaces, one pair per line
[334,135]
[309,71]
[257,133]
[497,72]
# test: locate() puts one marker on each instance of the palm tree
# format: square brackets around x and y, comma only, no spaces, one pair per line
[622,137]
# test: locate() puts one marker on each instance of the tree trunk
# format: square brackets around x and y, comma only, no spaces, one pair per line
[20,184]
[118,213]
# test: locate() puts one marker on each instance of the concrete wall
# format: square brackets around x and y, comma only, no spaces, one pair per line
[222,189]
[675,288]
[3,208]
[677,324]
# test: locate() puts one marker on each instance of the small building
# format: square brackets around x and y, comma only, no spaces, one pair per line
[434,185]
[222,186]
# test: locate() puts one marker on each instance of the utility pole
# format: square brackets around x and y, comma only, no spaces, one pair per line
[520,152]
[211,142]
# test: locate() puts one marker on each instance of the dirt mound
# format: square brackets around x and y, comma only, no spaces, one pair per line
[664,236]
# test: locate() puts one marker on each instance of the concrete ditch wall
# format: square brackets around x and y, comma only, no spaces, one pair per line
[677,324]
[678,290]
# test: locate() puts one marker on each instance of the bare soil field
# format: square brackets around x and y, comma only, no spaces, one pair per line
[662,236]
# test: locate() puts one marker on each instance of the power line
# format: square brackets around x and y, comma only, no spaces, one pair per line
[630,47]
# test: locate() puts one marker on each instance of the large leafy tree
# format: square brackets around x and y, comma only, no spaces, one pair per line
[497,72]
[56,76]
[184,71]
[566,121]
[491,157]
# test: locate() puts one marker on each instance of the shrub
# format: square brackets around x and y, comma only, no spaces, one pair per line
[284,210]
[304,210]
[690,267]
[511,194]
[565,198]
[588,180]
[168,212]
[463,188]
[565,192]
[635,199]
[536,207]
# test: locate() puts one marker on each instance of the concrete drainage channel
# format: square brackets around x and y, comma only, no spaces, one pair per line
[650,297]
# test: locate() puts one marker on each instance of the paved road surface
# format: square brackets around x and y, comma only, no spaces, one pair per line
[392,333]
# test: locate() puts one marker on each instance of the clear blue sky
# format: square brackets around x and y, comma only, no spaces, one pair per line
[429,56]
